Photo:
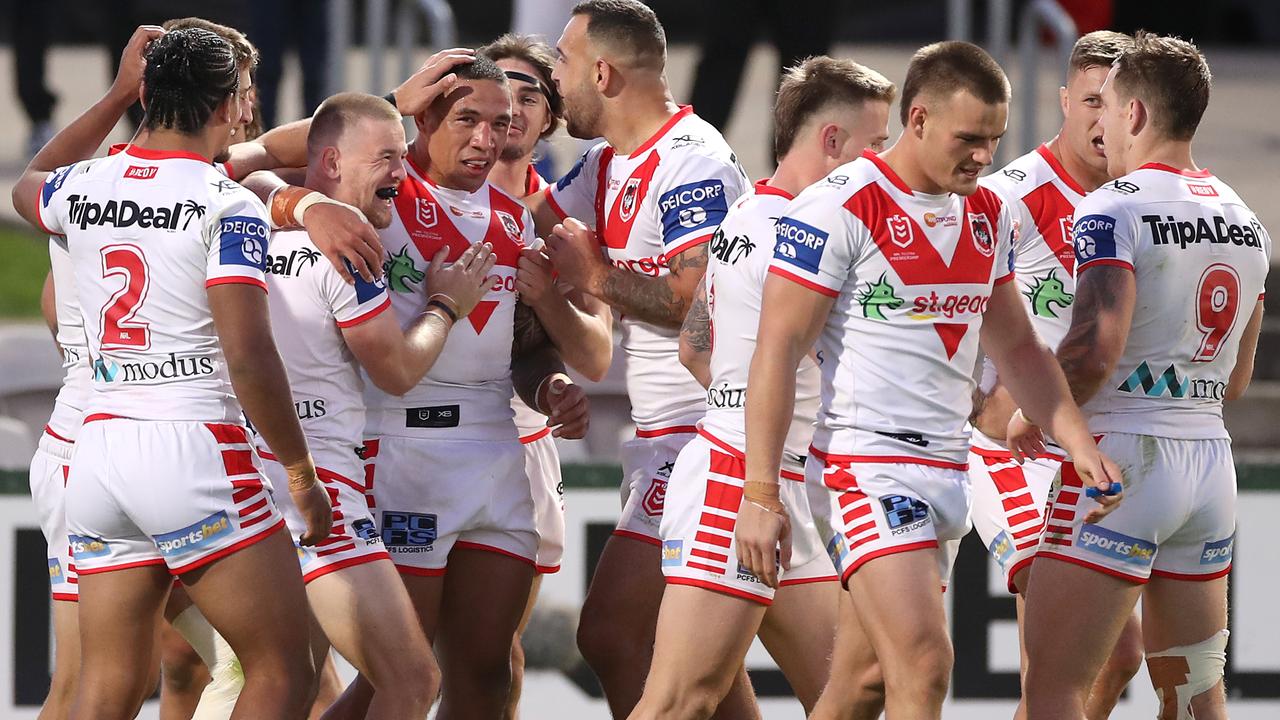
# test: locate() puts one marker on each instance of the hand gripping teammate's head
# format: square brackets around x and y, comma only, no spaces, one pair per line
[194,85]
[954,110]
[536,104]
[1156,92]
[355,153]
[465,130]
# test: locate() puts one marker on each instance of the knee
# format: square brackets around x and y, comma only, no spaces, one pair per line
[1126,659]
[605,640]
[181,668]
[925,668]
[517,663]
[696,702]
[868,688]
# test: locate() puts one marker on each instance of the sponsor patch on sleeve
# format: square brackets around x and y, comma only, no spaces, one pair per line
[1095,238]
[693,206]
[53,183]
[573,173]
[365,290]
[799,244]
[242,240]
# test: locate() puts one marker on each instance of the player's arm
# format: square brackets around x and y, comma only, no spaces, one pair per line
[992,410]
[695,337]
[49,307]
[1100,320]
[81,138]
[397,361]
[1243,371]
[579,325]
[540,380]
[280,147]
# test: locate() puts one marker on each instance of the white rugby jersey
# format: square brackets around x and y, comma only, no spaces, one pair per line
[148,232]
[664,198]
[1199,257]
[68,408]
[897,351]
[737,265]
[310,305]
[467,393]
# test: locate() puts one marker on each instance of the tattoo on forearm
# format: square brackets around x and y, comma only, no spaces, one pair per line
[1077,353]
[652,299]
[529,334]
[696,329]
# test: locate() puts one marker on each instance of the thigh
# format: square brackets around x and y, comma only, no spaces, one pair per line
[702,638]
[899,602]
[118,614]
[485,594]
[425,593]
[1182,612]
[799,631]
[366,613]
[626,589]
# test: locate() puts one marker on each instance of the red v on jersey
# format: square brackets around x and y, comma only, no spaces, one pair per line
[1052,211]
[623,212]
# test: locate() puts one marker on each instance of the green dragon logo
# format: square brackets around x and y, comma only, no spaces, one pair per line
[877,295]
[401,271]
[1047,292]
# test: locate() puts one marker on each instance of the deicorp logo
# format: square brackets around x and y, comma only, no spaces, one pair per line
[800,244]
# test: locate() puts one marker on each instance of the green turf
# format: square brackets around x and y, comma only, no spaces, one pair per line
[25,263]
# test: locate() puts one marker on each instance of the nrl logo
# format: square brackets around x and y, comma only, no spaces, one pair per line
[427,213]
[982,237]
[900,231]
[627,206]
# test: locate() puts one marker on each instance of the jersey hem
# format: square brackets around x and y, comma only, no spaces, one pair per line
[1135,579]
[803,282]
[236,280]
[365,317]
[721,589]
[639,537]
[1104,261]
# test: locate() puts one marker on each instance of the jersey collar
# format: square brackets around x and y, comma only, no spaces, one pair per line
[1204,173]
[682,113]
[764,188]
[1047,155]
[888,172]
[146,154]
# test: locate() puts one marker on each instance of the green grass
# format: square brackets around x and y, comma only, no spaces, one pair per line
[25,262]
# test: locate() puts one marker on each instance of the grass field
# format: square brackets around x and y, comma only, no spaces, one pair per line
[26,262]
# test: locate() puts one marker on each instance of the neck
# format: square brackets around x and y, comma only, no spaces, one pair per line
[1082,172]
[422,160]
[510,175]
[1174,153]
[798,170]
[902,159]
[631,120]
[163,140]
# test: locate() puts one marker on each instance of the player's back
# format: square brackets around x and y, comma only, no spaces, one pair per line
[148,233]
[1200,258]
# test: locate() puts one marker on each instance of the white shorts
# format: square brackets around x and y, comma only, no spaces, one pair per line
[430,496]
[181,494]
[354,538]
[1009,504]
[542,465]
[698,547]
[1177,519]
[647,463]
[49,468]
[868,510]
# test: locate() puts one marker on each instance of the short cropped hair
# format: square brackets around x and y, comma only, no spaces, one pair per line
[1099,48]
[530,49]
[481,68]
[1171,77]
[189,73]
[628,27]
[951,66]
[341,111]
[240,45]
[816,83]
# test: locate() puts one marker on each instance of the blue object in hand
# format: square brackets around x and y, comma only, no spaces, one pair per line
[1094,492]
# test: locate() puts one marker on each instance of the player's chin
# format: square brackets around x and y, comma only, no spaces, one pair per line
[964,182]
[378,215]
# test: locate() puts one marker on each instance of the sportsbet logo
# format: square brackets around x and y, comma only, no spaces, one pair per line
[1118,546]
[672,553]
[194,536]
[1217,552]
[83,547]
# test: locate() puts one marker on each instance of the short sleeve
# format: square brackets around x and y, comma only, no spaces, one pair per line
[574,195]
[356,303]
[237,242]
[693,196]
[52,199]
[1102,233]
[1007,229]
[815,245]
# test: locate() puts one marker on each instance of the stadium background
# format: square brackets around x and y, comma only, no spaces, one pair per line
[1238,140]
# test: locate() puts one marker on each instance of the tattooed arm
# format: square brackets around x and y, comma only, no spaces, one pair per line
[695,336]
[540,380]
[1100,319]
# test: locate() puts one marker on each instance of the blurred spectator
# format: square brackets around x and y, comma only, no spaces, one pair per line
[302,25]
[30,44]
[541,17]
[798,29]
[121,19]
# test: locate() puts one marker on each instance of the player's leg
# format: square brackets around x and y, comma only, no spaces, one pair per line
[855,690]
[1124,662]
[366,614]
[48,479]
[118,615]
[1184,629]
[484,597]
[702,637]
[183,675]
[799,631]
[517,653]
[66,661]
[329,690]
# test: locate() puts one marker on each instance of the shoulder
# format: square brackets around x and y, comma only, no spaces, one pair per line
[1019,177]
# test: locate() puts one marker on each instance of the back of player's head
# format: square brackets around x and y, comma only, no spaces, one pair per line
[1171,78]
[189,74]
[1099,48]
[629,29]
[341,112]
[817,83]
[945,68]
[538,54]
[245,52]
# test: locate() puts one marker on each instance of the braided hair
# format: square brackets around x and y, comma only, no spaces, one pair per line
[189,73]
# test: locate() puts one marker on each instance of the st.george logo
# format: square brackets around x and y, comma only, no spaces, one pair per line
[627,204]
[983,239]
[509,224]
[900,232]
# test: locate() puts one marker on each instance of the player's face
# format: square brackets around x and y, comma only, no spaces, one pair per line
[866,127]
[371,158]
[241,113]
[959,140]
[530,113]
[574,76]
[1081,113]
[472,131]
[1114,123]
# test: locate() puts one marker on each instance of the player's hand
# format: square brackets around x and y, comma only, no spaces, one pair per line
[763,537]
[133,63]
[570,410]
[431,81]
[1097,470]
[466,281]
[533,277]
[311,499]
[342,233]
[1025,440]
[575,254]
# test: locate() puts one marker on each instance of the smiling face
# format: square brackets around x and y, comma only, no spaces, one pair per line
[530,112]
[1081,113]
[575,76]
[467,130]
[958,140]
[371,158]
[241,110]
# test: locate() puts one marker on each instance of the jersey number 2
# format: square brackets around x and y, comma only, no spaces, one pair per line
[119,330]
[1217,303]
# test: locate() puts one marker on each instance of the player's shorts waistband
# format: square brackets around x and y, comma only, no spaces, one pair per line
[56,446]
[795,473]
[667,430]
[450,421]
[535,436]
[888,460]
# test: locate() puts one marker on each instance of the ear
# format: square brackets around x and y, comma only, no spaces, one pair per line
[833,139]
[604,75]
[916,118]
[330,163]
[1138,116]
[1062,99]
